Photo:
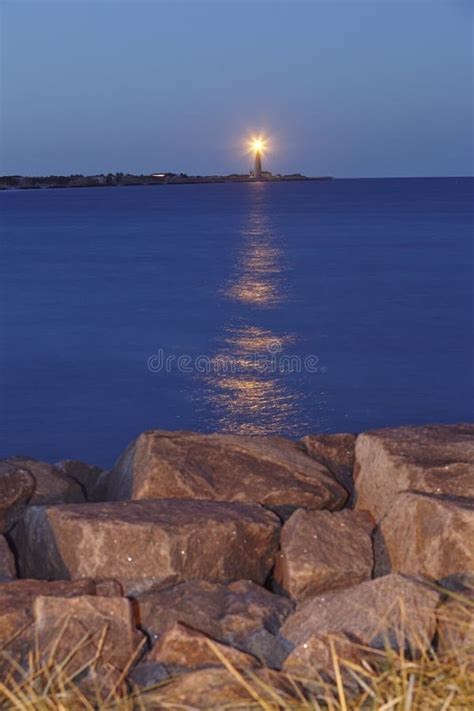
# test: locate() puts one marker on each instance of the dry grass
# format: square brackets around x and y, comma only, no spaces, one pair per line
[383,681]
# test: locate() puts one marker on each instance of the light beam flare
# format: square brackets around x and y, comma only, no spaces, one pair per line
[258,144]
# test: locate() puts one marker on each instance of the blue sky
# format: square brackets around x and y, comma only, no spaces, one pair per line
[343,87]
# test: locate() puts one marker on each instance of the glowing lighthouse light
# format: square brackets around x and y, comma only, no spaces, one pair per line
[258,145]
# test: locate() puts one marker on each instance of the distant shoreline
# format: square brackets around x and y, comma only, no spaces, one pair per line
[20,182]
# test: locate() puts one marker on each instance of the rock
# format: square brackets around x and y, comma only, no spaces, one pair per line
[319,655]
[78,631]
[16,613]
[147,674]
[455,622]
[89,477]
[145,544]
[271,471]
[431,536]
[7,562]
[100,682]
[241,614]
[324,551]
[219,689]
[336,452]
[182,648]
[433,459]
[50,485]
[391,609]
[271,650]
[16,487]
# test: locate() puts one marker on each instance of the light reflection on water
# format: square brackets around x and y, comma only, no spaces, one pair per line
[250,398]
[247,397]
[259,277]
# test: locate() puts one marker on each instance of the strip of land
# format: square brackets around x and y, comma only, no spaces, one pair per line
[21,182]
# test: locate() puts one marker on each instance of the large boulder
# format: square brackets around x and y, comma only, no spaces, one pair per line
[431,536]
[16,487]
[271,471]
[182,648]
[389,610]
[336,452]
[145,544]
[241,614]
[432,459]
[7,562]
[323,551]
[86,631]
[51,486]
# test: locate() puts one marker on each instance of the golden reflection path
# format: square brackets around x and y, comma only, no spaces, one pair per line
[258,279]
[247,397]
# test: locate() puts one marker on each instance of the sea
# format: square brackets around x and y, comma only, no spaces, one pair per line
[251,308]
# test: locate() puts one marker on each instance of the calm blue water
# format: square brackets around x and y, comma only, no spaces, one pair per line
[371,278]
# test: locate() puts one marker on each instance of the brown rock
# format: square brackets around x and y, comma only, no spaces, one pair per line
[271,471]
[7,562]
[336,452]
[16,613]
[51,486]
[16,487]
[434,459]
[218,689]
[324,551]
[145,544]
[241,614]
[391,609]
[102,681]
[85,629]
[321,656]
[431,536]
[182,647]
[455,628]
[146,674]
[89,477]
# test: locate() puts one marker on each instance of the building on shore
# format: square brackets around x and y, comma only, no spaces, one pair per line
[262,175]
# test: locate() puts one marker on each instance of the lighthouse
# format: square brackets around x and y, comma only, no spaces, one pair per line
[258,163]
[257,146]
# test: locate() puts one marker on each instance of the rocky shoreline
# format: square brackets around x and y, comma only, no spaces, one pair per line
[260,550]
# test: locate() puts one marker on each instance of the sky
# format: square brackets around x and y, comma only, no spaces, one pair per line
[349,88]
